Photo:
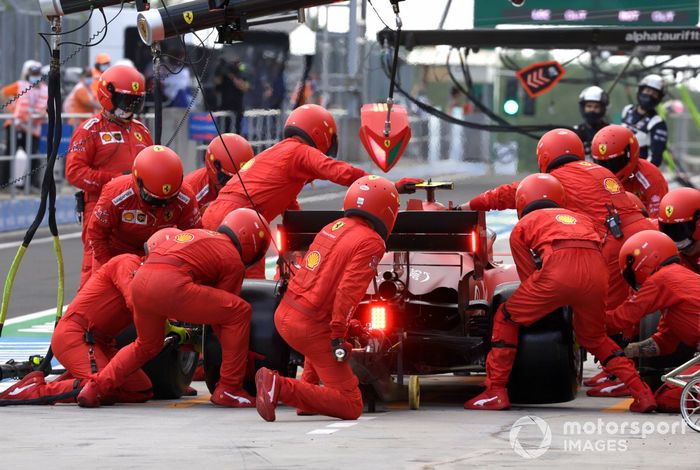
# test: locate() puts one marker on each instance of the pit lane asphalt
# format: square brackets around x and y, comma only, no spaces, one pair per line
[35,285]
[192,433]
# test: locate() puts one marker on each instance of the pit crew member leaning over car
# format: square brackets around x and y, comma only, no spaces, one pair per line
[133,207]
[648,126]
[104,146]
[650,263]
[84,339]
[592,104]
[196,277]
[591,190]
[321,298]
[274,178]
[557,254]
[616,148]
[679,218]
[219,167]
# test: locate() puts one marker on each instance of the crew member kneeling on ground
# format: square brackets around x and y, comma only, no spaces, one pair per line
[222,160]
[133,207]
[196,277]
[320,300]
[84,339]
[274,178]
[650,263]
[679,218]
[569,270]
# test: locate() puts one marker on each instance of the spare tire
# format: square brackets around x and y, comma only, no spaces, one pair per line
[264,338]
[171,371]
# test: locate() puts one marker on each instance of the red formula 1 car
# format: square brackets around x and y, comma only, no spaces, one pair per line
[428,311]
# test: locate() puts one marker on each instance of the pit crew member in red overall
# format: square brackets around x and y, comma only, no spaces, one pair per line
[320,300]
[591,190]
[650,263]
[219,167]
[679,218]
[557,254]
[274,178]
[84,339]
[616,148]
[196,278]
[134,207]
[104,146]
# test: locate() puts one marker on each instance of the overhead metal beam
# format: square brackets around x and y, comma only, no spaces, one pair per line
[654,40]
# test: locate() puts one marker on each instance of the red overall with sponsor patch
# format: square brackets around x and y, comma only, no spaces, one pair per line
[202,186]
[316,308]
[100,150]
[572,273]
[649,185]
[122,222]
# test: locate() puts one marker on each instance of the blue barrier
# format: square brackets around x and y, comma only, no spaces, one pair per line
[66,134]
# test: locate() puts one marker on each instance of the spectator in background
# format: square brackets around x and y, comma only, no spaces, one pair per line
[176,86]
[81,99]
[102,62]
[232,84]
[30,111]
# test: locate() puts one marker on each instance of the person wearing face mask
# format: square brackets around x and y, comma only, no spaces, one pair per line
[104,146]
[649,128]
[81,98]
[102,63]
[592,104]
[679,218]
[133,207]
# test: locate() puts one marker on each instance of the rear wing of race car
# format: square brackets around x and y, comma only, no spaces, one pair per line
[431,231]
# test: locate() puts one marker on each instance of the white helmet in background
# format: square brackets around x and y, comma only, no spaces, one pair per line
[26,66]
[653,82]
[593,94]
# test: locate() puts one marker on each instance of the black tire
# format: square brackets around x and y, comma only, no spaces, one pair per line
[171,371]
[264,338]
[548,366]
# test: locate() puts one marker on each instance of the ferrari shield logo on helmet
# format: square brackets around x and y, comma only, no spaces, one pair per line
[668,211]
[135,86]
[336,226]
[602,148]
[158,148]
[166,189]
[188,16]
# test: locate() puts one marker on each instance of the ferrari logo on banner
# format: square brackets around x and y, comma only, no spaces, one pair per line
[538,78]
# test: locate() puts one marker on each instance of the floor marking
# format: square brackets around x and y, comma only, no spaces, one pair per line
[343,424]
[190,402]
[33,316]
[337,426]
[619,407]
[67,236]
[323,431]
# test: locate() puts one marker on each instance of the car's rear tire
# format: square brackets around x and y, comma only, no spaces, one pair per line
[171,371]
[548,366]
[264,338]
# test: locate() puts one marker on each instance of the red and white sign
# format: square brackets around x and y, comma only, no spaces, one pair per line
[538,78]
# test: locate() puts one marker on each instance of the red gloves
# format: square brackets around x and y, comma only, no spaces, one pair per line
[407,185]
[340,349]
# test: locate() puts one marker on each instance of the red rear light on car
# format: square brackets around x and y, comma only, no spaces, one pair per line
[378,317]
[472,241]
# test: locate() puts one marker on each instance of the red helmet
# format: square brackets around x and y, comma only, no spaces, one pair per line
[315,126]
[558,146]
[219,164]
[121,87]
[538,191]
[249,231]
[157,172]
[643,253]
[376,199]
[679,216]
[159,237]
[616,148]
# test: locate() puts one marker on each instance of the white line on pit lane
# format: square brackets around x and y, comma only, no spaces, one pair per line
[67,236]
[335,427]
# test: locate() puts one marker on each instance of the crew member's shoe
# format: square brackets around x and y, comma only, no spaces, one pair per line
[598,379]
[268,386]
[89,396]
[231,398]
[611,388]
[644,401]
[494,398]
[29,387]
[189,392]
